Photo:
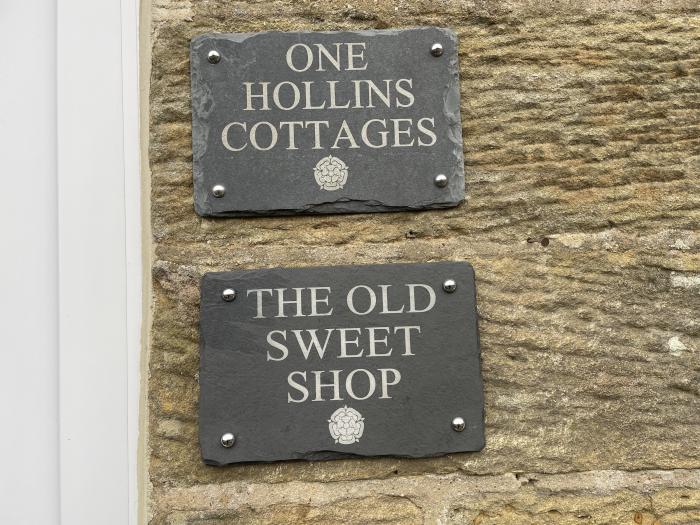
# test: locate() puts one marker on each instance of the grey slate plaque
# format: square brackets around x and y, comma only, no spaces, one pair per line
[325,122]
[323,363]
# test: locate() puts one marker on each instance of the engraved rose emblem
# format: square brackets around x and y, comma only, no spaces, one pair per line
[346,425]
[331,173]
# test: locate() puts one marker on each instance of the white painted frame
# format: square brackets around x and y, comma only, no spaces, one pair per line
[99,254]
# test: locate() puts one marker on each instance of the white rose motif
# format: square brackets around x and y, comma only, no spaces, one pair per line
[346,426]
[331,173]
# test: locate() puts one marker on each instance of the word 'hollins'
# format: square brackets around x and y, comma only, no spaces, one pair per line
[312,95]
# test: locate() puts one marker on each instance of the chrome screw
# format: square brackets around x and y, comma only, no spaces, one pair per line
[228,295]
[436,49]
[228,439]
[458,424]
[440,180]
[449,285]
[218,190]
[214,57]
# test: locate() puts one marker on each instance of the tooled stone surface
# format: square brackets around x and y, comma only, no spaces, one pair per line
[581,154]
[598,497]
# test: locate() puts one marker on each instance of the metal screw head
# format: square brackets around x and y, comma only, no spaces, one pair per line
[440,180]
[228,295]
[218,190]
[436,49]
[449,285]
[228,439]
[214,57]
[458,424]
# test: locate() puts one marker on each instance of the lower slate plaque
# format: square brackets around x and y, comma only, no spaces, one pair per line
[323,363]
[326,122]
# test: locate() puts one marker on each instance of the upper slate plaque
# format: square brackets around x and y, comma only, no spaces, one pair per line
[343,122]
[321,363]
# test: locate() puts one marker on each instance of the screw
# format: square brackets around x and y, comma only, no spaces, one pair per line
[228,295]
[228,439]
[440,180]
[449,285]
[458,424]
[436,49]
[218,190]
[214,57]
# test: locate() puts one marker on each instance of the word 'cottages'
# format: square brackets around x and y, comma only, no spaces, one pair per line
[344,342]
[314,95]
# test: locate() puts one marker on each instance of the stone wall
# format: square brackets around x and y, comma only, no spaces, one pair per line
[581,125]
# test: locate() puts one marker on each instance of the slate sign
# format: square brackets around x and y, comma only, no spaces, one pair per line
[326,122]
[323,363]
